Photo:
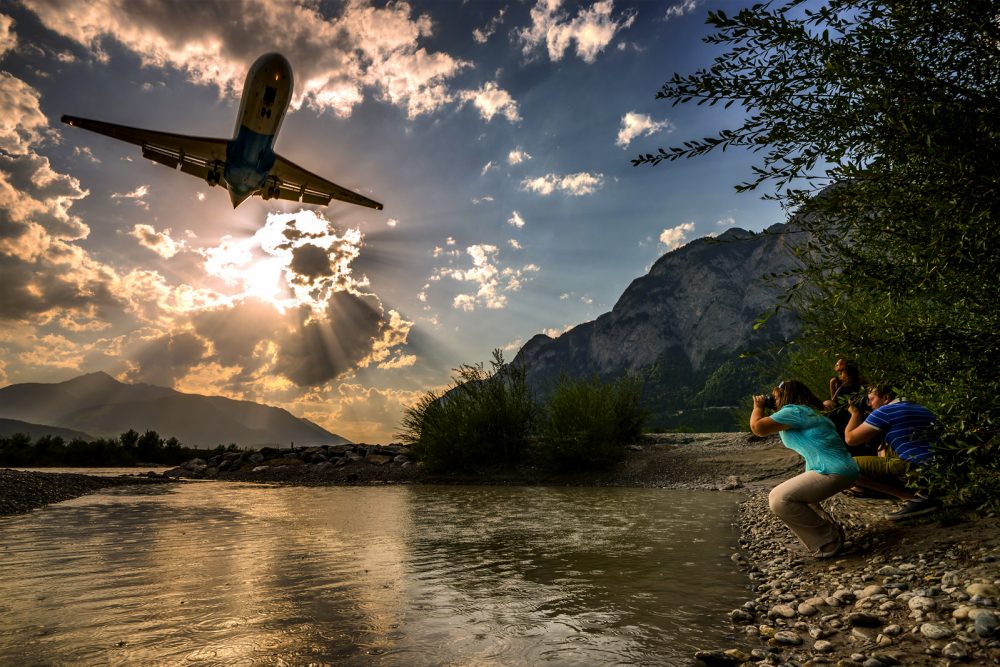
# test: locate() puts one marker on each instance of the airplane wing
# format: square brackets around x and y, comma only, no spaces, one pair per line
[297,184]
[198,156]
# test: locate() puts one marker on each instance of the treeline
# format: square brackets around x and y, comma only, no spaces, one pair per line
[490,417]
[128,449]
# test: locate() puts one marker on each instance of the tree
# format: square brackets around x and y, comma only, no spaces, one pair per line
[878,125]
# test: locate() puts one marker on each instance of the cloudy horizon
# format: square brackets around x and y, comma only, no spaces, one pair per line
[498,136]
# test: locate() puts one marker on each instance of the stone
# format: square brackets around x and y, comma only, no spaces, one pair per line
[983,589]
[823,646]
[921,603]
[863,620]
[986,623]
[781,611]
[741,616]
[892,630]
[787,638]
[807,610]
[869,591]
[766,630]
[936,631]
[716,659]
[955,651]
[378,459]
[737,654]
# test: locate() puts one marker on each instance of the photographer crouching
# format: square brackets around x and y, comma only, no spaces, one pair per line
[829,467]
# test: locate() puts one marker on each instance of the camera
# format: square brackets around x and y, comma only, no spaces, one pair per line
[770,403]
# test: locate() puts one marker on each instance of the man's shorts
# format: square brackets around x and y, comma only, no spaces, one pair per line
[888,470]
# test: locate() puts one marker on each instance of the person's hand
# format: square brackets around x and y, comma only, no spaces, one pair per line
[853,409]
[829,405]
[758,401]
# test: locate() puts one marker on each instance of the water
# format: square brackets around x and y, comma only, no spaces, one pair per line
[241,574]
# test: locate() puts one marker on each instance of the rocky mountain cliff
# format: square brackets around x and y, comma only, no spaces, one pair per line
[100,405]
[682,328]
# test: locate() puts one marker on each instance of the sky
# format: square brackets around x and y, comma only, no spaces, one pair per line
[498,135]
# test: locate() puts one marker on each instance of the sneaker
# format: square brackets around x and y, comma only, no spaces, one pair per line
[916,506]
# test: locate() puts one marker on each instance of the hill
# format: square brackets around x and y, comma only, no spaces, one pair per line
[100,405]
[9,427]
[683,328]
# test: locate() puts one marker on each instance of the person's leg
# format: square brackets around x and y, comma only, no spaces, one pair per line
[887,475]
[790,501]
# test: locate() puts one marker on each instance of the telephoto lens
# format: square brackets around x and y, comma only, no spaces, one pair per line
[769,402]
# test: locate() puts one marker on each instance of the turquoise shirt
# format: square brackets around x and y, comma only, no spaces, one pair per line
[815,438]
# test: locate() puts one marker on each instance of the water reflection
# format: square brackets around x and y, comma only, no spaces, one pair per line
[244,574]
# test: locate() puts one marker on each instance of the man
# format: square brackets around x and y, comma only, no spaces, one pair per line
[905,426]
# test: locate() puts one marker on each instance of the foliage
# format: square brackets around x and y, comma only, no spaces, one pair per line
[879,121]
[486,418]
[588,423]
[130,448]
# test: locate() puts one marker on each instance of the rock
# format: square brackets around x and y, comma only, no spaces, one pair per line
[256,458]
[863,620]
[737,654]
[823,646]
[955,651]
[787,637]
[378,459]
[805,609]
[921,603]
[983,589]
[936,631]
[741,616]
[732,482]
[986,623]
[869,591]
[781,611]
[716,658]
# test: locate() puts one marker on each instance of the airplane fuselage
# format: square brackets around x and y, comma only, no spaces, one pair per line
[250,153]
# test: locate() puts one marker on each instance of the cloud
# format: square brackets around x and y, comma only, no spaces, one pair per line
[515,244]
[577,184]
[517,156]
[591,29]
[515,220]
[8,39]
[22,122]
[726,222]
[137,196]
[491,280]
[487,167]
[675,237]
[480,200]
[639,125]
[391,222]
[491,100]
[481,36]
[364,50]
[681,8]
[158,242]
[166,358]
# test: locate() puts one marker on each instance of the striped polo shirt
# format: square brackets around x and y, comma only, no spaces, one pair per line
[904,425]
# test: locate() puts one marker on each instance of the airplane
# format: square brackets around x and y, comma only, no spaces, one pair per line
[246,164]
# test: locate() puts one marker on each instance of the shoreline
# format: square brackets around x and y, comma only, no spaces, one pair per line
[908,593]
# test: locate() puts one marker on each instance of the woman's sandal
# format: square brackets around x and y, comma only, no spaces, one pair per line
[838,545]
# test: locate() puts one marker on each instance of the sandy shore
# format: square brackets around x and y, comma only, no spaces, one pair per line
[913,593]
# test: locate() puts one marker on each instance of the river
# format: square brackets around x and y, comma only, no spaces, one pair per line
[244,574]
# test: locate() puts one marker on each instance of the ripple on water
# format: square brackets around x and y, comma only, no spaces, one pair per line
[245,574]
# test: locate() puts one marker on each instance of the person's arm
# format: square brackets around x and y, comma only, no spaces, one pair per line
[834,385]
[761,425]
[858,431]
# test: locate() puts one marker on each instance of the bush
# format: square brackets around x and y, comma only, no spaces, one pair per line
[588,423]
[486,418]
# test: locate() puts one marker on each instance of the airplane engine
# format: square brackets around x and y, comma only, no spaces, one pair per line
[271,189]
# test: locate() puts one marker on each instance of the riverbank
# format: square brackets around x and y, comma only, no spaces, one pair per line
[911,593]
[24,491]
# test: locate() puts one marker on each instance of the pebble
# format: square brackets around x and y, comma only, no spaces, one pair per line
[936,631]
[986,623]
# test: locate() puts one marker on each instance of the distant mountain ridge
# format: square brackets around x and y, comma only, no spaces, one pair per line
[9,427]
[682,328]
[98,404]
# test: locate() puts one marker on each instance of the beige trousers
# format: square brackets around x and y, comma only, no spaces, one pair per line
[796,502]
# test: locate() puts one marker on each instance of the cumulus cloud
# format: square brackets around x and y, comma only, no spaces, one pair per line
[491,100]
[515,220]
[591,30]
[487,167]
[517,156]
[338,60]
[137,196]
[726,222]
[8,39]
[639,125]
[491,280]
[675,237]
[515,244]
[159,242]
[482,35]
[577,184]
[22,122]
[164,359]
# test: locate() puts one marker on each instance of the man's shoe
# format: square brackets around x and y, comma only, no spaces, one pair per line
[916,506]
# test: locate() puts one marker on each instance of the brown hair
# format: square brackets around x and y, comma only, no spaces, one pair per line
[793,392]
[883,389]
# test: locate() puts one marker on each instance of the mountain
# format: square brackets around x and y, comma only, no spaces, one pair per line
[9,427]
[681,328]
[99,404]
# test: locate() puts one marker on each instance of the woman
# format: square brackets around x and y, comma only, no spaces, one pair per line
[829,467]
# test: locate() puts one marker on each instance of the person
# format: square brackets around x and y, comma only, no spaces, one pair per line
[829,467]
[906,427]
[847,387]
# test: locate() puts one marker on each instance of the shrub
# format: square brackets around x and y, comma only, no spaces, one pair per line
[486,418]
[588,423]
